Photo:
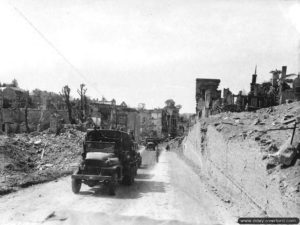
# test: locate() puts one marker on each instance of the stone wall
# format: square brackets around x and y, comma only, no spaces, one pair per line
[236,170]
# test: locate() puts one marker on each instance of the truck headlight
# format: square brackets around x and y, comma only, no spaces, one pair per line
[108,162]
[82,166]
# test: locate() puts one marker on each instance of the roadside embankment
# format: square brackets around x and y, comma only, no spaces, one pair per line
[248,161]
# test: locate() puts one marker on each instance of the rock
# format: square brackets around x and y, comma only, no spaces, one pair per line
[287,156]
[256,122]
[275,123]
[9,166]
[272,148]
[219,128]
[35,133]
[286,117]
[38,142]
[272,162]
[266,141]
[226,200]
[48,165]
[244,134]
[289,121]
[286,153]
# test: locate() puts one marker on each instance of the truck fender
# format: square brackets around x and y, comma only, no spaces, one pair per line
[118,170]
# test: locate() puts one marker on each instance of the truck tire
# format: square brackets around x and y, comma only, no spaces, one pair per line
[133,174]
[112,185]
[128,179]
[76,185]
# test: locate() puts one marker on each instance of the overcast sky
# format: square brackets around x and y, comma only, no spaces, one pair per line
[146,51]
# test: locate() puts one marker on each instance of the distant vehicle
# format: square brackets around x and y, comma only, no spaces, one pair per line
[151,146]
[109,157]
[156,141]
[152,143]
[168,147]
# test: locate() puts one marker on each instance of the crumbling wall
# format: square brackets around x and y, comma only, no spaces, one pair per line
[14,119]
[236,169]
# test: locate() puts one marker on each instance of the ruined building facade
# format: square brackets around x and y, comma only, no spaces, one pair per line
[207,96]
[281,88]
[113,116]
[170,116]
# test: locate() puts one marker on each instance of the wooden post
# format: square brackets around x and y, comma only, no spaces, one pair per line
[294,129]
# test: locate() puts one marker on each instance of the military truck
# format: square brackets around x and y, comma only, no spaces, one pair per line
[109,157]
[152,143]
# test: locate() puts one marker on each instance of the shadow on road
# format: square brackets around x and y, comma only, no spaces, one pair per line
[136,190]
[146,166]
[144,176]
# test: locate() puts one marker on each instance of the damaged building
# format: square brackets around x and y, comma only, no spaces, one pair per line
[18,107]
[207,96]
[281,88]
[170,117]
[113,116]
[161,123]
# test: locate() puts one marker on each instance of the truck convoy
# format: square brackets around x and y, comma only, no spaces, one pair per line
[108,157]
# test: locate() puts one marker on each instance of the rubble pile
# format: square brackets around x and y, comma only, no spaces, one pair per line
[271,127]
[276,130]
[26,159]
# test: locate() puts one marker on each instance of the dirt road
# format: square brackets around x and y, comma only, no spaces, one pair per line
[167,192]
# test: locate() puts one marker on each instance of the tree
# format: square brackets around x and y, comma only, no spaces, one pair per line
[178,107]
[170,103]
[14,83]
[65,93]
[141,106]
[83,101]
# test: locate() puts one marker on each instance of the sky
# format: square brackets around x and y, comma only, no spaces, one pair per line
[146,51]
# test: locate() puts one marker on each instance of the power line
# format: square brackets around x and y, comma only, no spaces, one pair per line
[54,48]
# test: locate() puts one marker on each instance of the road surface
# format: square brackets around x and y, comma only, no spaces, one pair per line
[167,192]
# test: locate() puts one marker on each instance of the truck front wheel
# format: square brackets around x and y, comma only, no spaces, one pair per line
[128,179]
[112,185]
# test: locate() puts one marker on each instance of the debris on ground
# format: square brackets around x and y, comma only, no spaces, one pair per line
[27,159]
[276,131]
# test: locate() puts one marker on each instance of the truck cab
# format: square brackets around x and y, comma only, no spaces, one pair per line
[109,157]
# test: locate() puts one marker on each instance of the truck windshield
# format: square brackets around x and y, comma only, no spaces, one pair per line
[95,146]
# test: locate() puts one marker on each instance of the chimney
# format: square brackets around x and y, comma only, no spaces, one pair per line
[254,75]
[254,78]
[253,83]
[283,72]
[275,78]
